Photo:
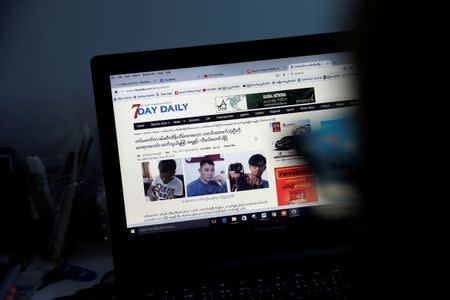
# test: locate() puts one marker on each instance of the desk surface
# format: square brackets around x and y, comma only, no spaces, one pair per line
[95,256]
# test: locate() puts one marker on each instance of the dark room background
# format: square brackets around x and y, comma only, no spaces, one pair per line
[46,96]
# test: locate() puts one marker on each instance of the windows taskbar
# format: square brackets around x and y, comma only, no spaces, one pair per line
[248,218]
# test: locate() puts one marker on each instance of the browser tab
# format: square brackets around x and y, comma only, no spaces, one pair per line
[312,64]
[213,75]
[250,71]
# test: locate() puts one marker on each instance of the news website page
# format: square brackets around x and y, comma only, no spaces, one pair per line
[223,145]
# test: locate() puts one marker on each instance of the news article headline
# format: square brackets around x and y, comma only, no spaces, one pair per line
[186,139]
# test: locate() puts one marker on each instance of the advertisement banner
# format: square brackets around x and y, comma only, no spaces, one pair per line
[295,185]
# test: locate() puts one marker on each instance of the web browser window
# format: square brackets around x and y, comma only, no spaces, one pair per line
[220,143]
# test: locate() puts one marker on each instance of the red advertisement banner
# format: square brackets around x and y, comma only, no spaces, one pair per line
[295,185]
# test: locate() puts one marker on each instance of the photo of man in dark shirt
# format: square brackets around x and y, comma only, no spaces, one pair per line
[207,183]
[249,181]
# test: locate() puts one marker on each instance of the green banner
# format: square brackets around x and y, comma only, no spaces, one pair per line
[280,98]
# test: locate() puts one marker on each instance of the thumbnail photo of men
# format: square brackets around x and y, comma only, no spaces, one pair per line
[253,178]
[209,179]
[167,183]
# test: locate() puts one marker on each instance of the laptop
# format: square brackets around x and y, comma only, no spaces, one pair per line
[220,168]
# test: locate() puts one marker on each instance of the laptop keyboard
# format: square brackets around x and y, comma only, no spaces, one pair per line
[329,284]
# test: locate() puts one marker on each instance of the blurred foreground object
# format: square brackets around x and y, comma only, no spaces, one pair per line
[334,153]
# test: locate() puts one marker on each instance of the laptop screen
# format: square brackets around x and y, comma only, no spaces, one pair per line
[219,145]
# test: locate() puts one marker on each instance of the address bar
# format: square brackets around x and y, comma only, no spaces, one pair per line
[144,88]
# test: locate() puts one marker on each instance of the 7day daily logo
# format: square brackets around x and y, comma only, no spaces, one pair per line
[158,109]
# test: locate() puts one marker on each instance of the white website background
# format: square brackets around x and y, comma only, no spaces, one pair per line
[233,139]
